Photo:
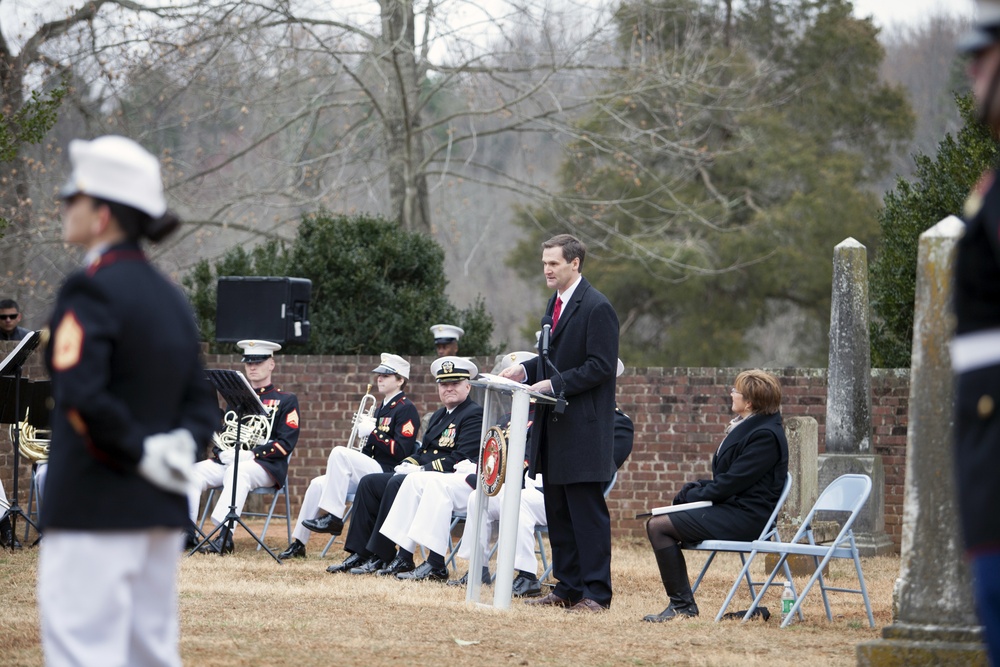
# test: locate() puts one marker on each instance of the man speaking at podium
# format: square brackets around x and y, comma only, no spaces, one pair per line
[572,443]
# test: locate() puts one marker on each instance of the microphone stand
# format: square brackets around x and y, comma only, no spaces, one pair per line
[240,395]
[16,360]
[560,405]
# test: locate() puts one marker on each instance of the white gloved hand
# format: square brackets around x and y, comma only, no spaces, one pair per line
[406,468]
[246,455]
[365,426]
[168,460]
[227,456]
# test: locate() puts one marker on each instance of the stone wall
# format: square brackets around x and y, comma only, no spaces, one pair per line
[679,416]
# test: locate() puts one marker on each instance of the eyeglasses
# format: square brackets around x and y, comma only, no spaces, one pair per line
[10,317]
[733,391]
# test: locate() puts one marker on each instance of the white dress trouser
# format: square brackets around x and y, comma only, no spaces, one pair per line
[344,469]
[421,512]
[531,514]
[209,474]
[109,598]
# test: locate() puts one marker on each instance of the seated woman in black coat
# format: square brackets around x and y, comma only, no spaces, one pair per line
[748,474]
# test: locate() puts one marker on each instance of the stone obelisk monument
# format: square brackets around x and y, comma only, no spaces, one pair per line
[849,395]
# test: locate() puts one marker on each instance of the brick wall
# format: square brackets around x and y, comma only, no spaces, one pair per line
[679,416]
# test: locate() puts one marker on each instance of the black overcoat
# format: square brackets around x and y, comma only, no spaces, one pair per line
[578,444]
[748,473]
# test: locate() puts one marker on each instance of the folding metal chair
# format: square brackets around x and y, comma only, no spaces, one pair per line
[333,538]
[260,490]
[742,548]
[846,494]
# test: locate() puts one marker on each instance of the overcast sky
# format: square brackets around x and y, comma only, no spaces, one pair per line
[889,12]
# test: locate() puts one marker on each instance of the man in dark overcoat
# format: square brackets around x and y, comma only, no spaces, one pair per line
[572,443]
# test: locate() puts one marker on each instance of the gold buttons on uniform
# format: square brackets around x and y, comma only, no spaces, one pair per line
[985,406]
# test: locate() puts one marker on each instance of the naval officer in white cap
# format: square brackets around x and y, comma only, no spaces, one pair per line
[446,338]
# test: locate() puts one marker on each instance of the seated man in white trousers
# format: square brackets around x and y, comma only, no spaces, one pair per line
[266,464]
[389,437]
[421,513]
[531,515]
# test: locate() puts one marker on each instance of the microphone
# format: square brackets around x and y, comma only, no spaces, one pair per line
[560,405]
[546,335]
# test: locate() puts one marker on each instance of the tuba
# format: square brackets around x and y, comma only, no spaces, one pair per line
[33,443]
[254,430]
[363,421]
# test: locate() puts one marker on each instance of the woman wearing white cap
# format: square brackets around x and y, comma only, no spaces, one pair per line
[132,408]
[389,438]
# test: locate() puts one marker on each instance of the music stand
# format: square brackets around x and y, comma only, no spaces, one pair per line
[243,400]
[12,413]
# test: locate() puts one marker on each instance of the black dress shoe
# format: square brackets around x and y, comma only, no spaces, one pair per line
[397,565]
[329,524]
[350,562]
[295,550]
[525,587]
[464,581]
[223,543]
[190,540]
[7,537]
[425,572]
[370,566]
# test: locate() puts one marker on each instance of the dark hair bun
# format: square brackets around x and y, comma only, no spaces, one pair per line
[157,229]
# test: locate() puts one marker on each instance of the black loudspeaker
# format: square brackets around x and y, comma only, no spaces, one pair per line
[274,309]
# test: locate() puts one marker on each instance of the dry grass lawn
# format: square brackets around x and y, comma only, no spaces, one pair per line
[245,609]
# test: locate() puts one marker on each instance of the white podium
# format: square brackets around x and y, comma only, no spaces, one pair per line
[496,389]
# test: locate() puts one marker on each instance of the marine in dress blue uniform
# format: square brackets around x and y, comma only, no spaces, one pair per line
[132,409]
[389,438]
[975,351]
[266,463]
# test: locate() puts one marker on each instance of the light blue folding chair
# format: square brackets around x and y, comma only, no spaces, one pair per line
[742,548]
[846,494]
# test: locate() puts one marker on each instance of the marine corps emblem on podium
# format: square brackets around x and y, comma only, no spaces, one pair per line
[492,461]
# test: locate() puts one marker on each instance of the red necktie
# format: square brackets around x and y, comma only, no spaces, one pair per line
[555,313]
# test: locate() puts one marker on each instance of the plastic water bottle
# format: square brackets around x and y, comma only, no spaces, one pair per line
[787,601]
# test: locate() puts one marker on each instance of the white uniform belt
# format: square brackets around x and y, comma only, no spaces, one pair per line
[976,350]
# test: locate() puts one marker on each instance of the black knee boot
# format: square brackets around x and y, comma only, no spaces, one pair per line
[7,538]
[673,573]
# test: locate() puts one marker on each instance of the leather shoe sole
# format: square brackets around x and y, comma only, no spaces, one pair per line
[328,524]
[550,600]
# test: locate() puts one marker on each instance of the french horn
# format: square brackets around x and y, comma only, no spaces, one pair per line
[33,442]
[253,431]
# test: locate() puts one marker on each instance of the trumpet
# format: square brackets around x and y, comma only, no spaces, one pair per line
[33,443]
[255,430]
[363,422]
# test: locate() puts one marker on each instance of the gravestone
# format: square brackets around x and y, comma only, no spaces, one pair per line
[849,396]
[934,621]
